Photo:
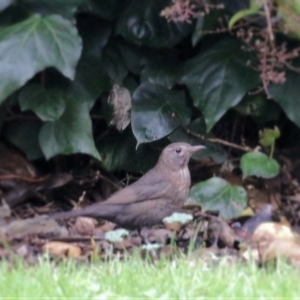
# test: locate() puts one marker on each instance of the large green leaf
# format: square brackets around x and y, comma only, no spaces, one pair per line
[72,133]
[206,23]
[113,63]
[133,56]
[95,34]
[216,194]
[49,105]
[90,80]
[106,9]
[156,112]
[127,157]
[259,108]
[30,46]
[287,95]
[259,164]
[142,24]
[218,78]
[24,135]
[62,7]
[5,3]
[162,70]
[212,150]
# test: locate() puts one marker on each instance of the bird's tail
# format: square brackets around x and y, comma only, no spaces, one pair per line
[98,210]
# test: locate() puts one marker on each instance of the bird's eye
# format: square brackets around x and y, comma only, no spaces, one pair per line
[178,150]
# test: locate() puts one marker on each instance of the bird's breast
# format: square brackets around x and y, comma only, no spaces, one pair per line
[182,184]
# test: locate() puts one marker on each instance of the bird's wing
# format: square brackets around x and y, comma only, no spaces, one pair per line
[146,188]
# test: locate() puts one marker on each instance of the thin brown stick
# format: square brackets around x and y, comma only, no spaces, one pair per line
[219,141]
[24,178]
[269,22]
[99,175]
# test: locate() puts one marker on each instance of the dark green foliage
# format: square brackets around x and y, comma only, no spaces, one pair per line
[59,60]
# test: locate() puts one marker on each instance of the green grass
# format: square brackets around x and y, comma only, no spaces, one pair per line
[134,278]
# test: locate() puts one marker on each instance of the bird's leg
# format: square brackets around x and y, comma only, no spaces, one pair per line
[143,233]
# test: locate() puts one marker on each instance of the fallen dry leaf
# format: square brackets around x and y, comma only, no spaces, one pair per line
[159,235]
[271,240]
[84,226]
[105,227]
[62,249]
[219,230]
[272,230]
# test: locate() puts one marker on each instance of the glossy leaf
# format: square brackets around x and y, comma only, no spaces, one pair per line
[24,135]
[90,80]
[259,164]
[198,32]
[287,94]
[242,14]
[113,63]
[162,70]
[142,24]
[106,9]
[218,79]
[204,24]
[72,133]
[5,3]
[127,157]
[49,105]
[268,136]
[95,34]
[62,7]
[216,194]
[30,46]
[156,112]
[259,108]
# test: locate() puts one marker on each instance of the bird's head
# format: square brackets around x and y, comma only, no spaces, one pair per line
[177,155]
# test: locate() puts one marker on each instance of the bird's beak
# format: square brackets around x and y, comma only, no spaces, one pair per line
[194,149]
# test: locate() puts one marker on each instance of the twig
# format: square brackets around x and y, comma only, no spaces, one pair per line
[269,22]
[219,141]
[99,175]
[24,178]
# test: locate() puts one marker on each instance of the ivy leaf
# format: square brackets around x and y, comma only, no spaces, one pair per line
[259,164]
[62,7]
[106,9]
[216,194]
[113,63]
[48,105]
[142,24]
[267,136]
[126,157]
[95,34]
[286,95]
[162,70]
[156,112]
[90,80]
[72,133]
[242,14]
[5,3]
[218,79]
[29,47]
[206,23]
[24,135]
[259,108]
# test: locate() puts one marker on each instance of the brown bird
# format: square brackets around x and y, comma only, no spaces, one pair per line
[156,195]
